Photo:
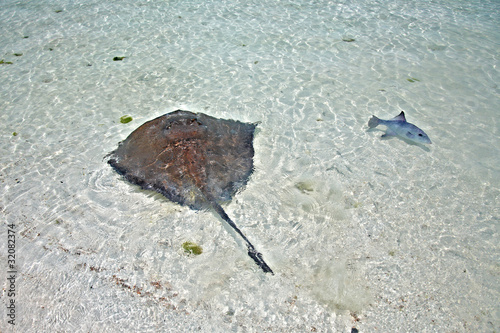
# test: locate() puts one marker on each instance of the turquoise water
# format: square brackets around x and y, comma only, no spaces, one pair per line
[363,232]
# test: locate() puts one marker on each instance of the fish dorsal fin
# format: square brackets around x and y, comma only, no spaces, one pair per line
[400,117]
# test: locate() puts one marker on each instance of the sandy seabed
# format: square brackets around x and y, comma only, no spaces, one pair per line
[363,233]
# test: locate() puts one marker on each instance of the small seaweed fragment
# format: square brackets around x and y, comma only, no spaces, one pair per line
[58,11]
[192,248]
[14,133]
[2,62]
[348,40]
[18,54]
[435,47]
[125,119]
[412,79]
[304,187]
[118,58]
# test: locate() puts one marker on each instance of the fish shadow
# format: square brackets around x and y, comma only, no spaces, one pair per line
[386,138]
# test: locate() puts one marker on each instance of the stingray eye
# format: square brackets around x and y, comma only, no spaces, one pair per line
[194,122]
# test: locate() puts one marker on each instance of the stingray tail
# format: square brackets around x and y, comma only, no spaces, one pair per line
[252,252]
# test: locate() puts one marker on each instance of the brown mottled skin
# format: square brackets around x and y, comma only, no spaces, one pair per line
[192,159]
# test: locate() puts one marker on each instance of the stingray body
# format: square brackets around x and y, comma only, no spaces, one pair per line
[192,159]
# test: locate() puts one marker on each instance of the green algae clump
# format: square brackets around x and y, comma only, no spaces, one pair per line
[192,248]
[125,119]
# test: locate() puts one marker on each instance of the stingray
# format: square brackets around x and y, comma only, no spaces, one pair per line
[192,159]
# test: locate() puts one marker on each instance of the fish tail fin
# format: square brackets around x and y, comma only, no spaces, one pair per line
[373,122]
[252,252]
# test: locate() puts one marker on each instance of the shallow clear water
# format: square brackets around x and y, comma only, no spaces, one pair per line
[363,232]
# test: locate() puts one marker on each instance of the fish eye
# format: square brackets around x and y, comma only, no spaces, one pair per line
[420,134]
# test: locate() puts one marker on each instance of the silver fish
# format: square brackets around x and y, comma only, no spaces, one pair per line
[399,126]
